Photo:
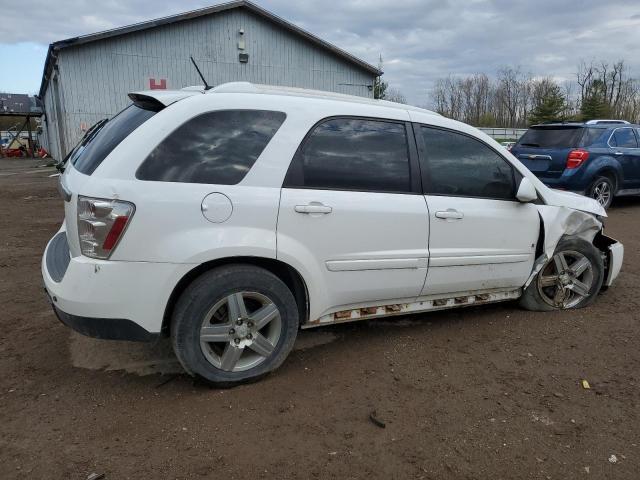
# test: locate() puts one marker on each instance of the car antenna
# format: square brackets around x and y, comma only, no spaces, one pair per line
[206,85]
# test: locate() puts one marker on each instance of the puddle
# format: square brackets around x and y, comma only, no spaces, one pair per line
[149,359]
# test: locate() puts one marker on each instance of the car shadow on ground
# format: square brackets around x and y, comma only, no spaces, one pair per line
[625,202]
[141,359]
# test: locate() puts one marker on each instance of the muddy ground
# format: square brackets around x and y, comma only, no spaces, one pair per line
[482,393]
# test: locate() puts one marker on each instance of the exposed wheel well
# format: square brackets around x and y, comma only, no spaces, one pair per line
[283,271]
[612,175]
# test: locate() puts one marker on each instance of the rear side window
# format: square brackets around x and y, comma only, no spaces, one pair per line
[623,138]
[593,135]
[353,154]
[560,137]
[461,166]
[97,145]
[215,147]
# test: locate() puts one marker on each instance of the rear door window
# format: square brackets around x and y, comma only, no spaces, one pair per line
[546,137]
[95,147]
[215,147]
[353,154]
[623,138]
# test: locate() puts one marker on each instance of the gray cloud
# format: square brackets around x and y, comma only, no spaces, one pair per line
[420,40]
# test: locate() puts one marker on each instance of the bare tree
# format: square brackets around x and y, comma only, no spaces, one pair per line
[395,95]
[511,94]
[510,98]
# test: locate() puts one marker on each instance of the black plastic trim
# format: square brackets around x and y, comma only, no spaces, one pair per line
[106,328]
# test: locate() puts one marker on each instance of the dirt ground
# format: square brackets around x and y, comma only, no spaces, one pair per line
[490,392]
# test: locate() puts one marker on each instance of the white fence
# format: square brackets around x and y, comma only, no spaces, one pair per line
[503,133]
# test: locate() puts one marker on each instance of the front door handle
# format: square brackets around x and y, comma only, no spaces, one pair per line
[618,153]
[450,214]
[313,208]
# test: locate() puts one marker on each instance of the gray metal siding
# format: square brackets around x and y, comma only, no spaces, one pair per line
[50,136]
[95,77]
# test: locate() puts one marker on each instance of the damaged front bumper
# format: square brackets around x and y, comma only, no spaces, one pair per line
[564,221]
[614,254]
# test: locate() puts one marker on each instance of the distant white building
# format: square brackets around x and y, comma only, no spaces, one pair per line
[87,78]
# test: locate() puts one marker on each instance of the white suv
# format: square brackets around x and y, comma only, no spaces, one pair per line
[230,218]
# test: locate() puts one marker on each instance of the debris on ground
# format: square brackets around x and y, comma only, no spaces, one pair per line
[613,459]
[585,384]
[96,476]
[376,421]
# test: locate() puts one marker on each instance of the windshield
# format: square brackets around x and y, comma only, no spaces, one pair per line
[104,136]
[558,137]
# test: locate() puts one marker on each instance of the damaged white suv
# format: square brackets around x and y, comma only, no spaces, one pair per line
[230,218]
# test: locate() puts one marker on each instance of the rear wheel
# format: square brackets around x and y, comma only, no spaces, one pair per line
[570,279]
[602,190]
[234,324]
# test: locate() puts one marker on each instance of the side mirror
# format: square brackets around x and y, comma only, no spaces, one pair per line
[526,191]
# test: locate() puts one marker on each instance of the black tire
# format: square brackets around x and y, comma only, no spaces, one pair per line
[536,296]
[595,190]
[204,294]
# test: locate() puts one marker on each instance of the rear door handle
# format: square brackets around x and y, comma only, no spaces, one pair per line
[313,208]
[450,214]
[618,153]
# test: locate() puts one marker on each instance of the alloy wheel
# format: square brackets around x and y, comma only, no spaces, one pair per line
[240,331]
[602,193]
[566,280]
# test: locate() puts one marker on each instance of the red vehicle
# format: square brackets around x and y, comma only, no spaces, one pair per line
[16,152]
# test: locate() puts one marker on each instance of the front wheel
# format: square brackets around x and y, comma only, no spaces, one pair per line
[234,324]
[572,278]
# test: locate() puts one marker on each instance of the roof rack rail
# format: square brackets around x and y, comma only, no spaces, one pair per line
[607,122]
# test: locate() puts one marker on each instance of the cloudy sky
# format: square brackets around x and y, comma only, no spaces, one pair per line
[420,40]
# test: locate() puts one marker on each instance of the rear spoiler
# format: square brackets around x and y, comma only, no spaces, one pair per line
[156,100]
[146,102]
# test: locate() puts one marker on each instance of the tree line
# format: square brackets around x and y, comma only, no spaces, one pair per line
[517,99]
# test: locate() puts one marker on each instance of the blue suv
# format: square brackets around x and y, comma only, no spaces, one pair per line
[598,158]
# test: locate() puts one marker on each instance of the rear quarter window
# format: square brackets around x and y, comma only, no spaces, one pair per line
[592,136]
[216,147]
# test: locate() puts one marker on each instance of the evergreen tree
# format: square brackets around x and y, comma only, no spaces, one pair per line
[549,103]
[595,103]
[379,85]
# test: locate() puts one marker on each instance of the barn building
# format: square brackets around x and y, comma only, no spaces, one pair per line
[87,78]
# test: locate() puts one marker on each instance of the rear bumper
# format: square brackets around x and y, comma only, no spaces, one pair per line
[109,299]
[105,328]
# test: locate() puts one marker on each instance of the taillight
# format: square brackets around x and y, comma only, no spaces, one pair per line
[576,158]
[101,223]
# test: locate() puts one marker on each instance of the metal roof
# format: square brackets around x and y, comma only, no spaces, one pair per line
[252,7]
[18,105]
